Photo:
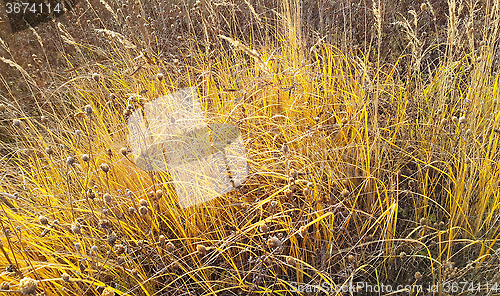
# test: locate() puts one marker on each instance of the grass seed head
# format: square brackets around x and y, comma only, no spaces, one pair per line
[28,286]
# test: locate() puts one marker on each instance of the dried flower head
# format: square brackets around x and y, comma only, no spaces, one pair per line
[418,275]
[143,210]
[274,242]
[49,151]
[108,291]
[143,203]
[96,77]
[119,249]
[65,277]
[344,193]
[201,249]
[107,198]
[158,194]
[28,286]
[170,246]
[104,167]
[85,157]
[112,238]
[16,122]
[288,192]
[124,151]
[290,260]
[284,148]
[2,109]
[350,258]
[43,220]
[76,228]
[462,120]
[162,239]
[70,160]
[90,193]
[88,109]
[263,228]
[131,210]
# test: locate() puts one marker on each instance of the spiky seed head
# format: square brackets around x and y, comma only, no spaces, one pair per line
[273,242]
[108,291]
[158,194]
[119,249]
[303,231]
[85,157]
[162,239]
[107,198]
[284,148]
[70,160]
[344,193]
[76,228]
[418,275]
[143,210]
[201,249]
[28,286]
[96,77]
[2,109]
[263,228]
[143,203]
[290,260]
[170,246]
[49,151]
[5,286]
[131,210]
[350,258]
[112,238]
[462,120]
[104,167]
[307,191]
[88,109]
[43,220]
[65,277]
[124,151]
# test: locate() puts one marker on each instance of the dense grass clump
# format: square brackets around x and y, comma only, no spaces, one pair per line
[372,158]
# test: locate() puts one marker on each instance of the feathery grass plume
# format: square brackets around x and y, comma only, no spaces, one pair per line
[117,36]
[115,16]
[251,52]
[15,65]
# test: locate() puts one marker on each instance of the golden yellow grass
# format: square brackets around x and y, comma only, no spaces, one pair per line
[357,172]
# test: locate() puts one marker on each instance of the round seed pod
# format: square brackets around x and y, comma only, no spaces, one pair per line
[104,167]
[143,210]
[70,160]
[65,277]
[16,122]
[263,228]
[274,242]
[49,151]
[107,198]
[143,203]
[28,286]
[170,247]
[124,151]
[43,220]
[201,249]
[290,260]
[96,77]
[85,157]
[162,239]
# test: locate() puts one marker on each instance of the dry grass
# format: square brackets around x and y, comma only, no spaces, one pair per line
[376,163]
